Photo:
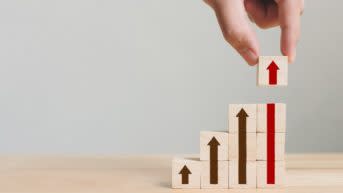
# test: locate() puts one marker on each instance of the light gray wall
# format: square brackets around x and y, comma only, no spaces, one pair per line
[146,76]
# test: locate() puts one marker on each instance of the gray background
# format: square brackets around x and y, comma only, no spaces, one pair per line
[106,77]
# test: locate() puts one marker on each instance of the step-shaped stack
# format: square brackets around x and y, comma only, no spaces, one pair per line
[249,155]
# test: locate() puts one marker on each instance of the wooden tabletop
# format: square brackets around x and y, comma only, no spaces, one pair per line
[150,174]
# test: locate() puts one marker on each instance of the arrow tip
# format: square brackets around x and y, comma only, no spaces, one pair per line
[273,66]
[242,113]
[185,170]
[213,142]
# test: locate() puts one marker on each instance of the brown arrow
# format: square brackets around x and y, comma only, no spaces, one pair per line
[242,146]
[213,160]
[185,175]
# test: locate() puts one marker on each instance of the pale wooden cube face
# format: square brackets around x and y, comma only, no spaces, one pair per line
[194,167]
[221,137]
[250,146]
[223,175]
[280,174]
[279,146]
[279,117]
[234,174]
[234,116]
[272,74]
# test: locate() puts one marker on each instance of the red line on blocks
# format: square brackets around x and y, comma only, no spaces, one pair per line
[270,143]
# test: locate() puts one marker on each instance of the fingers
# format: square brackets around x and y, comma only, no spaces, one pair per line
[265,15]
[233,22]
[209,2]
[289,17]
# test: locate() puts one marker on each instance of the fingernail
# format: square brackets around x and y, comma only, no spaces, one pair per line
[292,56]
[249,56]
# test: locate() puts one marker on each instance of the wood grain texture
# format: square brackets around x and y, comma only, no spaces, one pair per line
[280,174]
[223,175]
[262,146]
[280,118]
[234,109]
[233,175]
[221,137]
[251,146]
[194,167]
[307,173]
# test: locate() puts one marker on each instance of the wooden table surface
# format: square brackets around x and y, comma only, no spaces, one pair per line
[151,174]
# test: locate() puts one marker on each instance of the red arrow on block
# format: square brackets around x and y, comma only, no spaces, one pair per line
[273,68]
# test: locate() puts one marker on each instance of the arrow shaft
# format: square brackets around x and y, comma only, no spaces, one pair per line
[242,149]
[270,143]
[272,77]
[185,178]
[214,165]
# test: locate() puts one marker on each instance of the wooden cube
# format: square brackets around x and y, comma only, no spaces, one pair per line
[215,177]
[279,146]
[186,173]
[234,147]
[240,177]
[271,177]
[272,71]
[215,141]
[272,115]
[242,116]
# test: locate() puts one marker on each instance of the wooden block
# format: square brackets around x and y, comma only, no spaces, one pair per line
[279,146]
[268,112]
[212,140]
[250,146]
[221,173]
[186,173]
[279,175]
[241,179]
[242,116]
[272,71]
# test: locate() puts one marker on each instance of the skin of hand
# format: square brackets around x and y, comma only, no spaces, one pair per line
[233,17]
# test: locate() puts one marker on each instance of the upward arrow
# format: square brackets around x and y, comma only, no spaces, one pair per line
[185,175]
[242,146]
[242,121]
[273,68]
[213,160]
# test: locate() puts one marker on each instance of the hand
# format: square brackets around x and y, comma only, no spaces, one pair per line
[232,18]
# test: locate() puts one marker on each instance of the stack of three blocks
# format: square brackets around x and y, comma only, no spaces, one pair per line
[249,155]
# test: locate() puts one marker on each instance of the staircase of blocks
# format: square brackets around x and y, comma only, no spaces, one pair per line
[251,153]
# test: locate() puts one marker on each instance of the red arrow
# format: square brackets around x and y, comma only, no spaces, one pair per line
[273,68]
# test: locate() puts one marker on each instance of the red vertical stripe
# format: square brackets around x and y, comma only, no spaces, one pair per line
[270,143]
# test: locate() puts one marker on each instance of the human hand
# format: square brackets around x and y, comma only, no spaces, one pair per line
[232,18]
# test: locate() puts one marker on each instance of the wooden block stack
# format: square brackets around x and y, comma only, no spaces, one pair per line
[214,159]
[251,154]
[271,128]
[242,146]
